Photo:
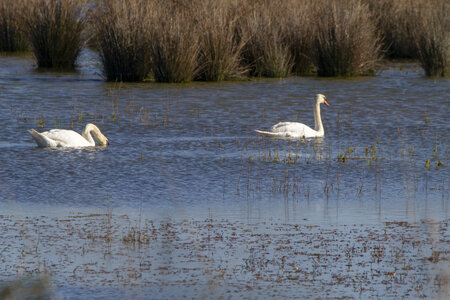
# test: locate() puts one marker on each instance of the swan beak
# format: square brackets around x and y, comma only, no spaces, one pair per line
[325,102]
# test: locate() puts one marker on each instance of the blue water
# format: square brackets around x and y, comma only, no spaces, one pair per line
[235,214]
[190,150]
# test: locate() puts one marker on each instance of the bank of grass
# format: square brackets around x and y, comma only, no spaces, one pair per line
[431,35]
[174,41]
[212,40]
[220,45]
[346,42]
[54,30]
[122,31]
[415,29]
[12,38]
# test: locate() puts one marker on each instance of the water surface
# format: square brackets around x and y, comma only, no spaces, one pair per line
[189,152]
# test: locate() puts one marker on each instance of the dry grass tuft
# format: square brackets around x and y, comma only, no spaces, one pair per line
[267,53]
[122,30]
[220,47]
[12,37]
[175,42]
[54,28]
[345,39]
[431,34]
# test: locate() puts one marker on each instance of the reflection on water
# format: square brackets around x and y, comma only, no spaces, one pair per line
[190,151]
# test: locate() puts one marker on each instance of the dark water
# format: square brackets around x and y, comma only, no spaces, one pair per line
[190,151]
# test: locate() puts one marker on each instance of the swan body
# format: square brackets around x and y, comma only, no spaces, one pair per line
[69,138]
[299,130]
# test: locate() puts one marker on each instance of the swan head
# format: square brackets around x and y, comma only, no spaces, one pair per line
[101,139]
[321,99]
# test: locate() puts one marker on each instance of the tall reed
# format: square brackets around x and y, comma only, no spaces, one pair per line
[175,42]
[220,47]
[300,33]
[12,37]
[345,39]
[54,28]
[266,51]
[122,29]
[394,24]
[431,34]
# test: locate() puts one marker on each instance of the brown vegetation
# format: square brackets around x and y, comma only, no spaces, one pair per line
[212,40]
[345,39]
[12,39]
[221,46]
[432,37]
[54,28]
[417,29]
[122,30]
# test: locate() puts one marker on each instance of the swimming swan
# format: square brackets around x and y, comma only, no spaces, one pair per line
[299,130]
[69,138]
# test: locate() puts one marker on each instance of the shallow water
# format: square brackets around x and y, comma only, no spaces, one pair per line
[189,152]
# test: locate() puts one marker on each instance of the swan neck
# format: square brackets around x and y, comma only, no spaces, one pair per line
[317,118]
[87,134]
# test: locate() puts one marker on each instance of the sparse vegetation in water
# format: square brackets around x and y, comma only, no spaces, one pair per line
[195,251]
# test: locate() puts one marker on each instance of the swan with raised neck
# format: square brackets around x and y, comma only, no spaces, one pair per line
[300,130]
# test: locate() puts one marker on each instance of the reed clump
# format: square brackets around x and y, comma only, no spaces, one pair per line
[299,35]
[213,40]
[266,51]
[394,24]
[54,29]
[12,38]
[122,30]
[346,43]
[175,41]
[431,35]
[220,52]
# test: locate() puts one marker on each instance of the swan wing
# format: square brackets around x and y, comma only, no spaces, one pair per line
[59,138]
[291,130]
[41,140]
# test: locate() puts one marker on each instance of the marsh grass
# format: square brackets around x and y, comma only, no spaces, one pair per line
[266,51]
[300,34]
[416,29]
[393,20]
[175,42]
[432,36]
[54,29]
[212,40]
[220,47]
[122,30]
[346,41]
[12,37]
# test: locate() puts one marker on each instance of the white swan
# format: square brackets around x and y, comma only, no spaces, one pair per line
[69,138]
[299,130]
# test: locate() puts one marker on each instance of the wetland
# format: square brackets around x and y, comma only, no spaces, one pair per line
[188,201]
